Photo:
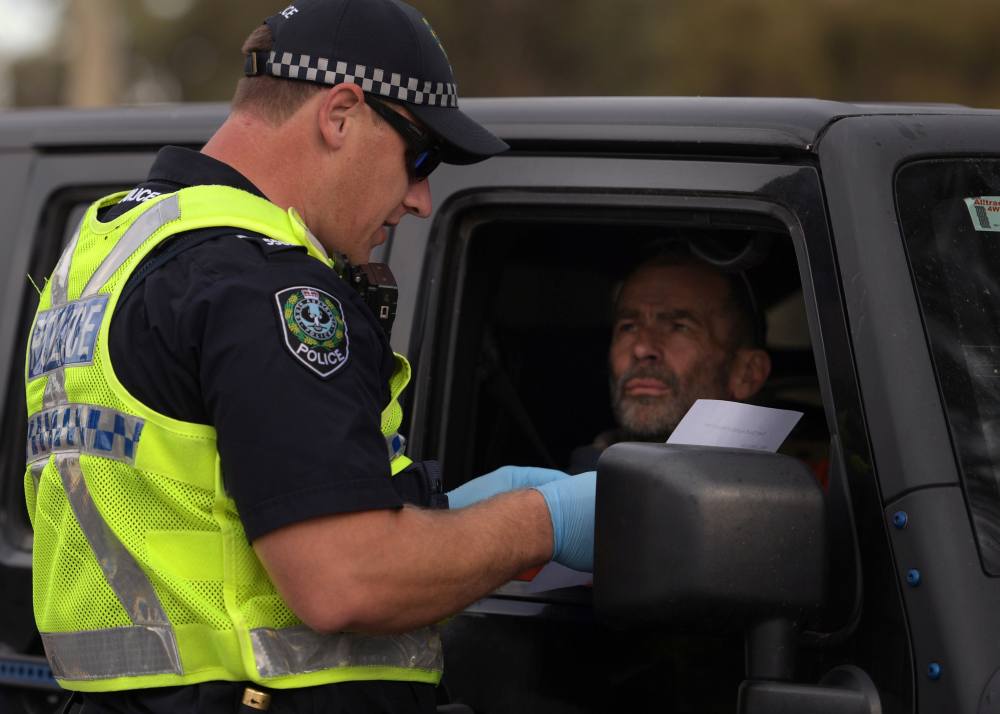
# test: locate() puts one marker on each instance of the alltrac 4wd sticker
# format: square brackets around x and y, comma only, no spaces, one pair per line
[314,328]
[985,212]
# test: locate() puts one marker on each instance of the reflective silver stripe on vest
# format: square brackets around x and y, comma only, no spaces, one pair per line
[127,580]
[55,386]
[55,389]
[117,652]
[83,428]
[36,474]
[60,276]
[144,226]
[297,650]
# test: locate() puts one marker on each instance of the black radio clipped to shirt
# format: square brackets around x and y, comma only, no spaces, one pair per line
[376,285]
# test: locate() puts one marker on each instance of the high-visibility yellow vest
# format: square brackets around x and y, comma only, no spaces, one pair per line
[142,573]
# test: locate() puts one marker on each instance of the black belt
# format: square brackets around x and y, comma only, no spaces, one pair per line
[228,698]
[237,697]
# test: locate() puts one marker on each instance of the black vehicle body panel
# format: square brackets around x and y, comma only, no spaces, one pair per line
[953,623]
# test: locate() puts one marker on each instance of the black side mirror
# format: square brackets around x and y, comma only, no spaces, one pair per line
[706,538]
[711,539]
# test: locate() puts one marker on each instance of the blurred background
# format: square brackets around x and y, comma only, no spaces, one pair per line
[112,52]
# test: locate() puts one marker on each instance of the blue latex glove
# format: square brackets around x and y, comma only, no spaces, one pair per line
[571,507]
[504,479]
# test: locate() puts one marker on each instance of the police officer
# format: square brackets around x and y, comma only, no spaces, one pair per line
[224,513]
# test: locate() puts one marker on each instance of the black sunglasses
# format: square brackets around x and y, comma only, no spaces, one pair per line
[423,153]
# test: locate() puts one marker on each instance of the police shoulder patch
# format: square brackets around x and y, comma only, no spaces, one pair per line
[314,328]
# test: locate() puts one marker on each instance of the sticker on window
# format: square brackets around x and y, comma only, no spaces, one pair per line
[985,212]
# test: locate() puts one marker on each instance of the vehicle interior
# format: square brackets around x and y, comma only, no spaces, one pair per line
[526,382]
[527,363]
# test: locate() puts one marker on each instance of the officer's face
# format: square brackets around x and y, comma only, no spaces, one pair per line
[358,187]
[670,346]
[385,191]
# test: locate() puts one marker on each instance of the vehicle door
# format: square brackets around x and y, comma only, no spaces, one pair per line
[912,201]
[501,296]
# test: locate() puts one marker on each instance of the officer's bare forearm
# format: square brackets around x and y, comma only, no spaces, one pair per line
[391,571]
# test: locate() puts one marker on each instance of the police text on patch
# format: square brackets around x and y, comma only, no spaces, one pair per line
[314,328]
[65,335]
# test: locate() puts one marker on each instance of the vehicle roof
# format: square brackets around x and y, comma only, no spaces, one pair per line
[790,123]
[753,122]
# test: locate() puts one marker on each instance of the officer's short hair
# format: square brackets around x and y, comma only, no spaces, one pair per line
[271,98]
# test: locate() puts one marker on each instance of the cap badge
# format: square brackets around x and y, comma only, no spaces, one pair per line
[438,40]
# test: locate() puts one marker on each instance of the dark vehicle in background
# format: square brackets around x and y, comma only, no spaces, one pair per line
[725,580]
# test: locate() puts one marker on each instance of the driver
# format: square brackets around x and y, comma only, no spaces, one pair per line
[682,330]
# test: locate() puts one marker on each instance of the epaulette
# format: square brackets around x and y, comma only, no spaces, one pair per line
[269,245]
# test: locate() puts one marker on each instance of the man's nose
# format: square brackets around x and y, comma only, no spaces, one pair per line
[418,198]
[645,348]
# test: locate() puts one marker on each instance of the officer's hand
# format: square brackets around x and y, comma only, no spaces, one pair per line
[505,478]
[571,507]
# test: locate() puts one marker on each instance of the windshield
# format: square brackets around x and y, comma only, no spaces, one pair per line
[949,212]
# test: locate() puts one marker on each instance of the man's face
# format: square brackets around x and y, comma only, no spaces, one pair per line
[670,346]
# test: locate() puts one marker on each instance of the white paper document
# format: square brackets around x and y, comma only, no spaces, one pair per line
[714,422]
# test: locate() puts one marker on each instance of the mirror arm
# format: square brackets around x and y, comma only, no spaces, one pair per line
[770,650]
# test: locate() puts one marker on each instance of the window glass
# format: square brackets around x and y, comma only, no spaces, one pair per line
[949,213]
[530,375]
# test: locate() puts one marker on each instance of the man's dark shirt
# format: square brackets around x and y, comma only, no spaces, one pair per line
[200,339]
[584,458]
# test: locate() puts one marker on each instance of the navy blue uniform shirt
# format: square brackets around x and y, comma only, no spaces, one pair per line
[200,338]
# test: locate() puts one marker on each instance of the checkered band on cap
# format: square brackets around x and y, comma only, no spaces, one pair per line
[371,79]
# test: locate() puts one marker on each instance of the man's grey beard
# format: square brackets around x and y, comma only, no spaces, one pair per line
[647,418]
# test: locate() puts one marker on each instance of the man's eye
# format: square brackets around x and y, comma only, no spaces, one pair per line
[680,327]
[625,327]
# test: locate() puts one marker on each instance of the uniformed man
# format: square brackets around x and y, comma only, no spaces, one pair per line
[224,514]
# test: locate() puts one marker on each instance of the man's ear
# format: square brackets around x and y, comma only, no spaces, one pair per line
[339,107]
[748,372]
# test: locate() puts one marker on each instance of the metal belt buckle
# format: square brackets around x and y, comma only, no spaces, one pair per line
[256,699]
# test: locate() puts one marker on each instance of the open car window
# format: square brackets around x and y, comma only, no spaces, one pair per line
[521,376]
[527,372]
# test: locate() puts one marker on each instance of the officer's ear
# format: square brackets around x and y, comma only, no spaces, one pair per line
[339,107]
[748,372]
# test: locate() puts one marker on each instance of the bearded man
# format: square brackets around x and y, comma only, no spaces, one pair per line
[682,331]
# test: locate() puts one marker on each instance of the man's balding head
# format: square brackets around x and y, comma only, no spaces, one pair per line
[682,331]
